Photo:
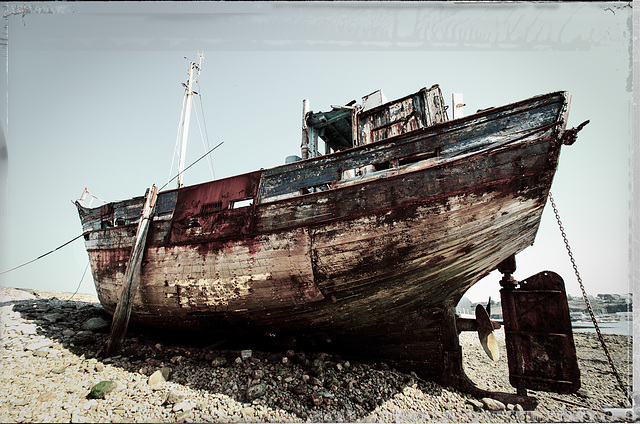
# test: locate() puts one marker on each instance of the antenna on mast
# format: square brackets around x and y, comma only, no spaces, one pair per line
[183,128]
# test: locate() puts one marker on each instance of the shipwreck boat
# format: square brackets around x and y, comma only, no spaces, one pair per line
[368,247]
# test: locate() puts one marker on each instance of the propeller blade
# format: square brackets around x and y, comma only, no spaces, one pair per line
[485,333]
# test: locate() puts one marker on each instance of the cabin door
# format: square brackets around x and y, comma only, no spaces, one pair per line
[539,339]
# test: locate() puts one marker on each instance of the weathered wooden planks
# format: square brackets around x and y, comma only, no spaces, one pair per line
[319,253]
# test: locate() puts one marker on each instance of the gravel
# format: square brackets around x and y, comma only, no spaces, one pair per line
[49,346]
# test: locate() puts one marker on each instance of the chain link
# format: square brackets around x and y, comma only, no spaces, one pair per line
[623,387]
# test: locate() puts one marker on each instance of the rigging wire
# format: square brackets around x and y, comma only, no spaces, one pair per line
[621,385]
[206,133]
[202,137]
[179,132]
[198,160]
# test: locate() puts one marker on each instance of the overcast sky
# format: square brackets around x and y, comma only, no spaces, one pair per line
[94,97]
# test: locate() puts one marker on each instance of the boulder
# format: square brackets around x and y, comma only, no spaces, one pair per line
[100,390]
[160,376]
[84,337]
[52,317]
[476,404]
[39,345]
[219,361]
[174,397]
[316,398]
[493,405]
[96,324]
[256,391]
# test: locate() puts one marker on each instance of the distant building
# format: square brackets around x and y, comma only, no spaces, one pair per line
[624,316]
[577,316]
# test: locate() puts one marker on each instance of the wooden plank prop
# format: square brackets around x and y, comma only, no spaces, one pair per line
[132,276]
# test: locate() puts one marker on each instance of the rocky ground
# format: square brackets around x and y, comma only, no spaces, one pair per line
[50,372]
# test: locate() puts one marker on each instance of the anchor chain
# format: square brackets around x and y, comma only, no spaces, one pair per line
[586,300]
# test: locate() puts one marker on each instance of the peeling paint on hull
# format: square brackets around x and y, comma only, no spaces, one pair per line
[373,261]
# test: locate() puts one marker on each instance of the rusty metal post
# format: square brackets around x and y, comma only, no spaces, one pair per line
[305,133]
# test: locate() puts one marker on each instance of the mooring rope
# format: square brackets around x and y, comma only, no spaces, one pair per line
[42,256]
[622,386]
[82,279]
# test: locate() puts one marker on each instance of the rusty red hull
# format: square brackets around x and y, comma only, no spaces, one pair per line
[375,262]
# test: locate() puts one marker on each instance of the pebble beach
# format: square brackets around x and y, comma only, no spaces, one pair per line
[51,371]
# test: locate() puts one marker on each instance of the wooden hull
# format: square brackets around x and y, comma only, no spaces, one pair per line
[375,263]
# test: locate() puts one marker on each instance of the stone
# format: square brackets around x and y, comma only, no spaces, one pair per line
[90,404]
[299,389]
[219,361]
[84,337]
[99,367]
[256,391]
[160,376]
[493,405]
[476,404]
[247,411]
[174,397]
[59,370]
[184,416]
[314,381]
[46,397]
[68,333]
[246,354]
[52,317]
[27,329]
[96,324]
[38,345]
[316,398]
[100,390]
[182,406]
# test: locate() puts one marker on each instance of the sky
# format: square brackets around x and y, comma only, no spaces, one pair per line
[92,97]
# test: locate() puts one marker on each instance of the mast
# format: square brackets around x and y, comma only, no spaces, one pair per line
[186,113]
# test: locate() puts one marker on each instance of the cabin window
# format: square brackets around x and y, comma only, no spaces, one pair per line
[382,166]
[240,203]
[417,158]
